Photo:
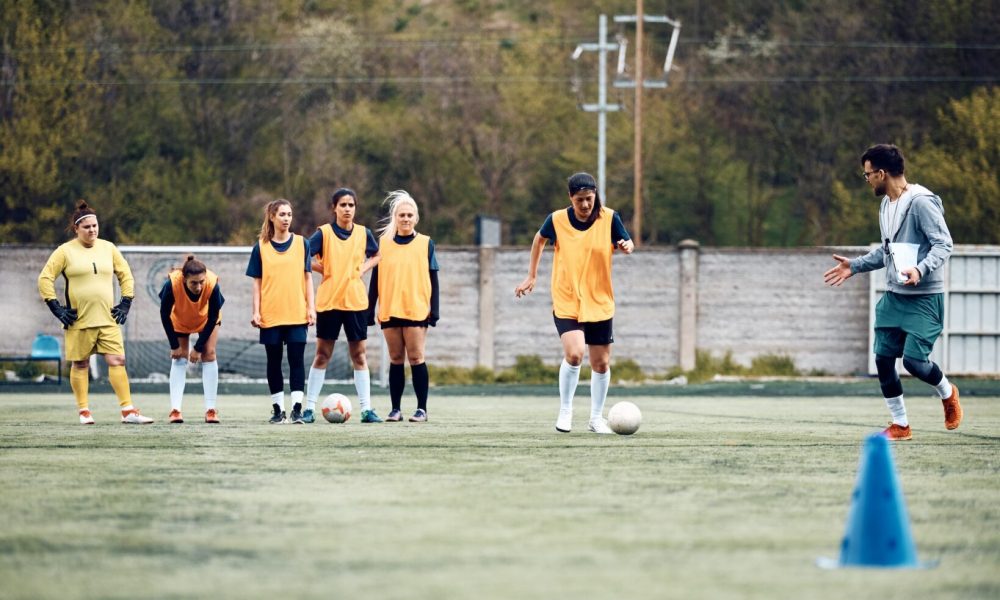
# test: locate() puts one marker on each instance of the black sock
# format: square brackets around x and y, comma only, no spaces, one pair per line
[397,379]
[421,381]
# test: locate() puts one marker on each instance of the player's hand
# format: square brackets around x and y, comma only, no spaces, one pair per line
[120,312]
[195,356]
[525,287]
[176,353]
[840,273]
[66,316]
[311,316]
[912,276]
[255,320]
[626,246]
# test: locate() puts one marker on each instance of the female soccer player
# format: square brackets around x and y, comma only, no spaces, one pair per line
[405,285]
[91,322]
[346,251]
[191,302]
[283,306]
[583,303]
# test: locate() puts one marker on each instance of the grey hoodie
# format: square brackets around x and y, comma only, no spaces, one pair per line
[916,218]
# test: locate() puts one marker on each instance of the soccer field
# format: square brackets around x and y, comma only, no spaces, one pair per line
[714,498]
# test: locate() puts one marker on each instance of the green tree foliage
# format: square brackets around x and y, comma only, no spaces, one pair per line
[960,165]
[179,119]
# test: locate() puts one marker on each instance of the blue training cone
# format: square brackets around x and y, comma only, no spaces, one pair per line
[878,525]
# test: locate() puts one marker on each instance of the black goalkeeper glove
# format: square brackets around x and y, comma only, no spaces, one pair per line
[66,316]
[120,312]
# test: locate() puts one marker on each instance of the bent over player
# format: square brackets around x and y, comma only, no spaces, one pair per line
[191,302]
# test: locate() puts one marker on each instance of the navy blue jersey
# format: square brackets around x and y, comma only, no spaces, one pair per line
[618,232]
[255,268]
[316,241]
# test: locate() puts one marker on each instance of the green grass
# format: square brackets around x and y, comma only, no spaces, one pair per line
[713,498]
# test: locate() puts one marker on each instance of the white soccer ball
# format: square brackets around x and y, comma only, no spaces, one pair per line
[336,408]
[624,418]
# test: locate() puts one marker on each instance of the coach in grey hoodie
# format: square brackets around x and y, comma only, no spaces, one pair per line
[910,316]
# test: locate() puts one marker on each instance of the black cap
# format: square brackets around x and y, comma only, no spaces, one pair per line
[581,181]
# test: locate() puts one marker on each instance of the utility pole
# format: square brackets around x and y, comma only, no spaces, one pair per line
[639,83]
[637,125]
[602,47]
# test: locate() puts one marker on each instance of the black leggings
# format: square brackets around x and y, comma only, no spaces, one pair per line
[296,367]
[888,378]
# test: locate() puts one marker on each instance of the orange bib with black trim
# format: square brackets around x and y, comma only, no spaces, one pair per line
[283,285]
[581,269]
[404,282]
[187,316]
[342,287]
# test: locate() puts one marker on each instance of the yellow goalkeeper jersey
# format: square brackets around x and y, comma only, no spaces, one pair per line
[88,275]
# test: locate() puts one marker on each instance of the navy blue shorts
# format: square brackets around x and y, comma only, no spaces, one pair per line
[598,333]
[284,334]
[329,322]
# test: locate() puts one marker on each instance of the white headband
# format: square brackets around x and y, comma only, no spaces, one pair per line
[77,222]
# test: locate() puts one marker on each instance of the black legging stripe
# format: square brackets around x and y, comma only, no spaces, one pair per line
[296,367]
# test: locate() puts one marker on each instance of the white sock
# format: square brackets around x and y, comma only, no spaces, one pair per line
[944,387]
[210,382]
[297,398]
[279,399]
[569,376]
[363,385]
[313,386]
[599,383]
[898,410]
[178,378]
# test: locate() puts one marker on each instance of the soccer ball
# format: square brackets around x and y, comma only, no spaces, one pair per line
[624,418]
[336,408]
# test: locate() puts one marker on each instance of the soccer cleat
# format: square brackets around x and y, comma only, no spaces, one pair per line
[211,416]
[175,416]
[952,409]
[296,416]
[133,417]
[599,425]
[86,418]
[308,416]
[278,415]
[420,416]
[564,424]
[897,433]
[369,416]
[395,415]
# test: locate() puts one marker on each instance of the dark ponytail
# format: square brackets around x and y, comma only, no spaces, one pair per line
[82,210]
[192,266]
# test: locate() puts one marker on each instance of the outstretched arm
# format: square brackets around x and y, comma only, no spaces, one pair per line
[840,273]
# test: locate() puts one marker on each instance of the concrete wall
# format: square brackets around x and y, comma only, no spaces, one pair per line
[748,301]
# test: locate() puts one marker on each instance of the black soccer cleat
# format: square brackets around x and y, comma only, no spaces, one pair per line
[296,416]
[278,416]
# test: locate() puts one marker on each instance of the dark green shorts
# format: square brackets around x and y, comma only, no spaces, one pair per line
[908,325]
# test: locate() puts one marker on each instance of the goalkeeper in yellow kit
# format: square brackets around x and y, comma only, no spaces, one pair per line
[87,265]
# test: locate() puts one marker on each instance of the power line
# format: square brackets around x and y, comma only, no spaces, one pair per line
[447,80]
[437,42]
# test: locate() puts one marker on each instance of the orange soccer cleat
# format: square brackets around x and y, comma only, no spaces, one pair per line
[952,409]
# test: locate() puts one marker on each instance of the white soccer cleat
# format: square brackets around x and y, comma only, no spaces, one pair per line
[86,418]
[599,425]
[134,418]
[564,424]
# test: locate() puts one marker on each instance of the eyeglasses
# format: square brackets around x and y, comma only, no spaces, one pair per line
[868,174]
